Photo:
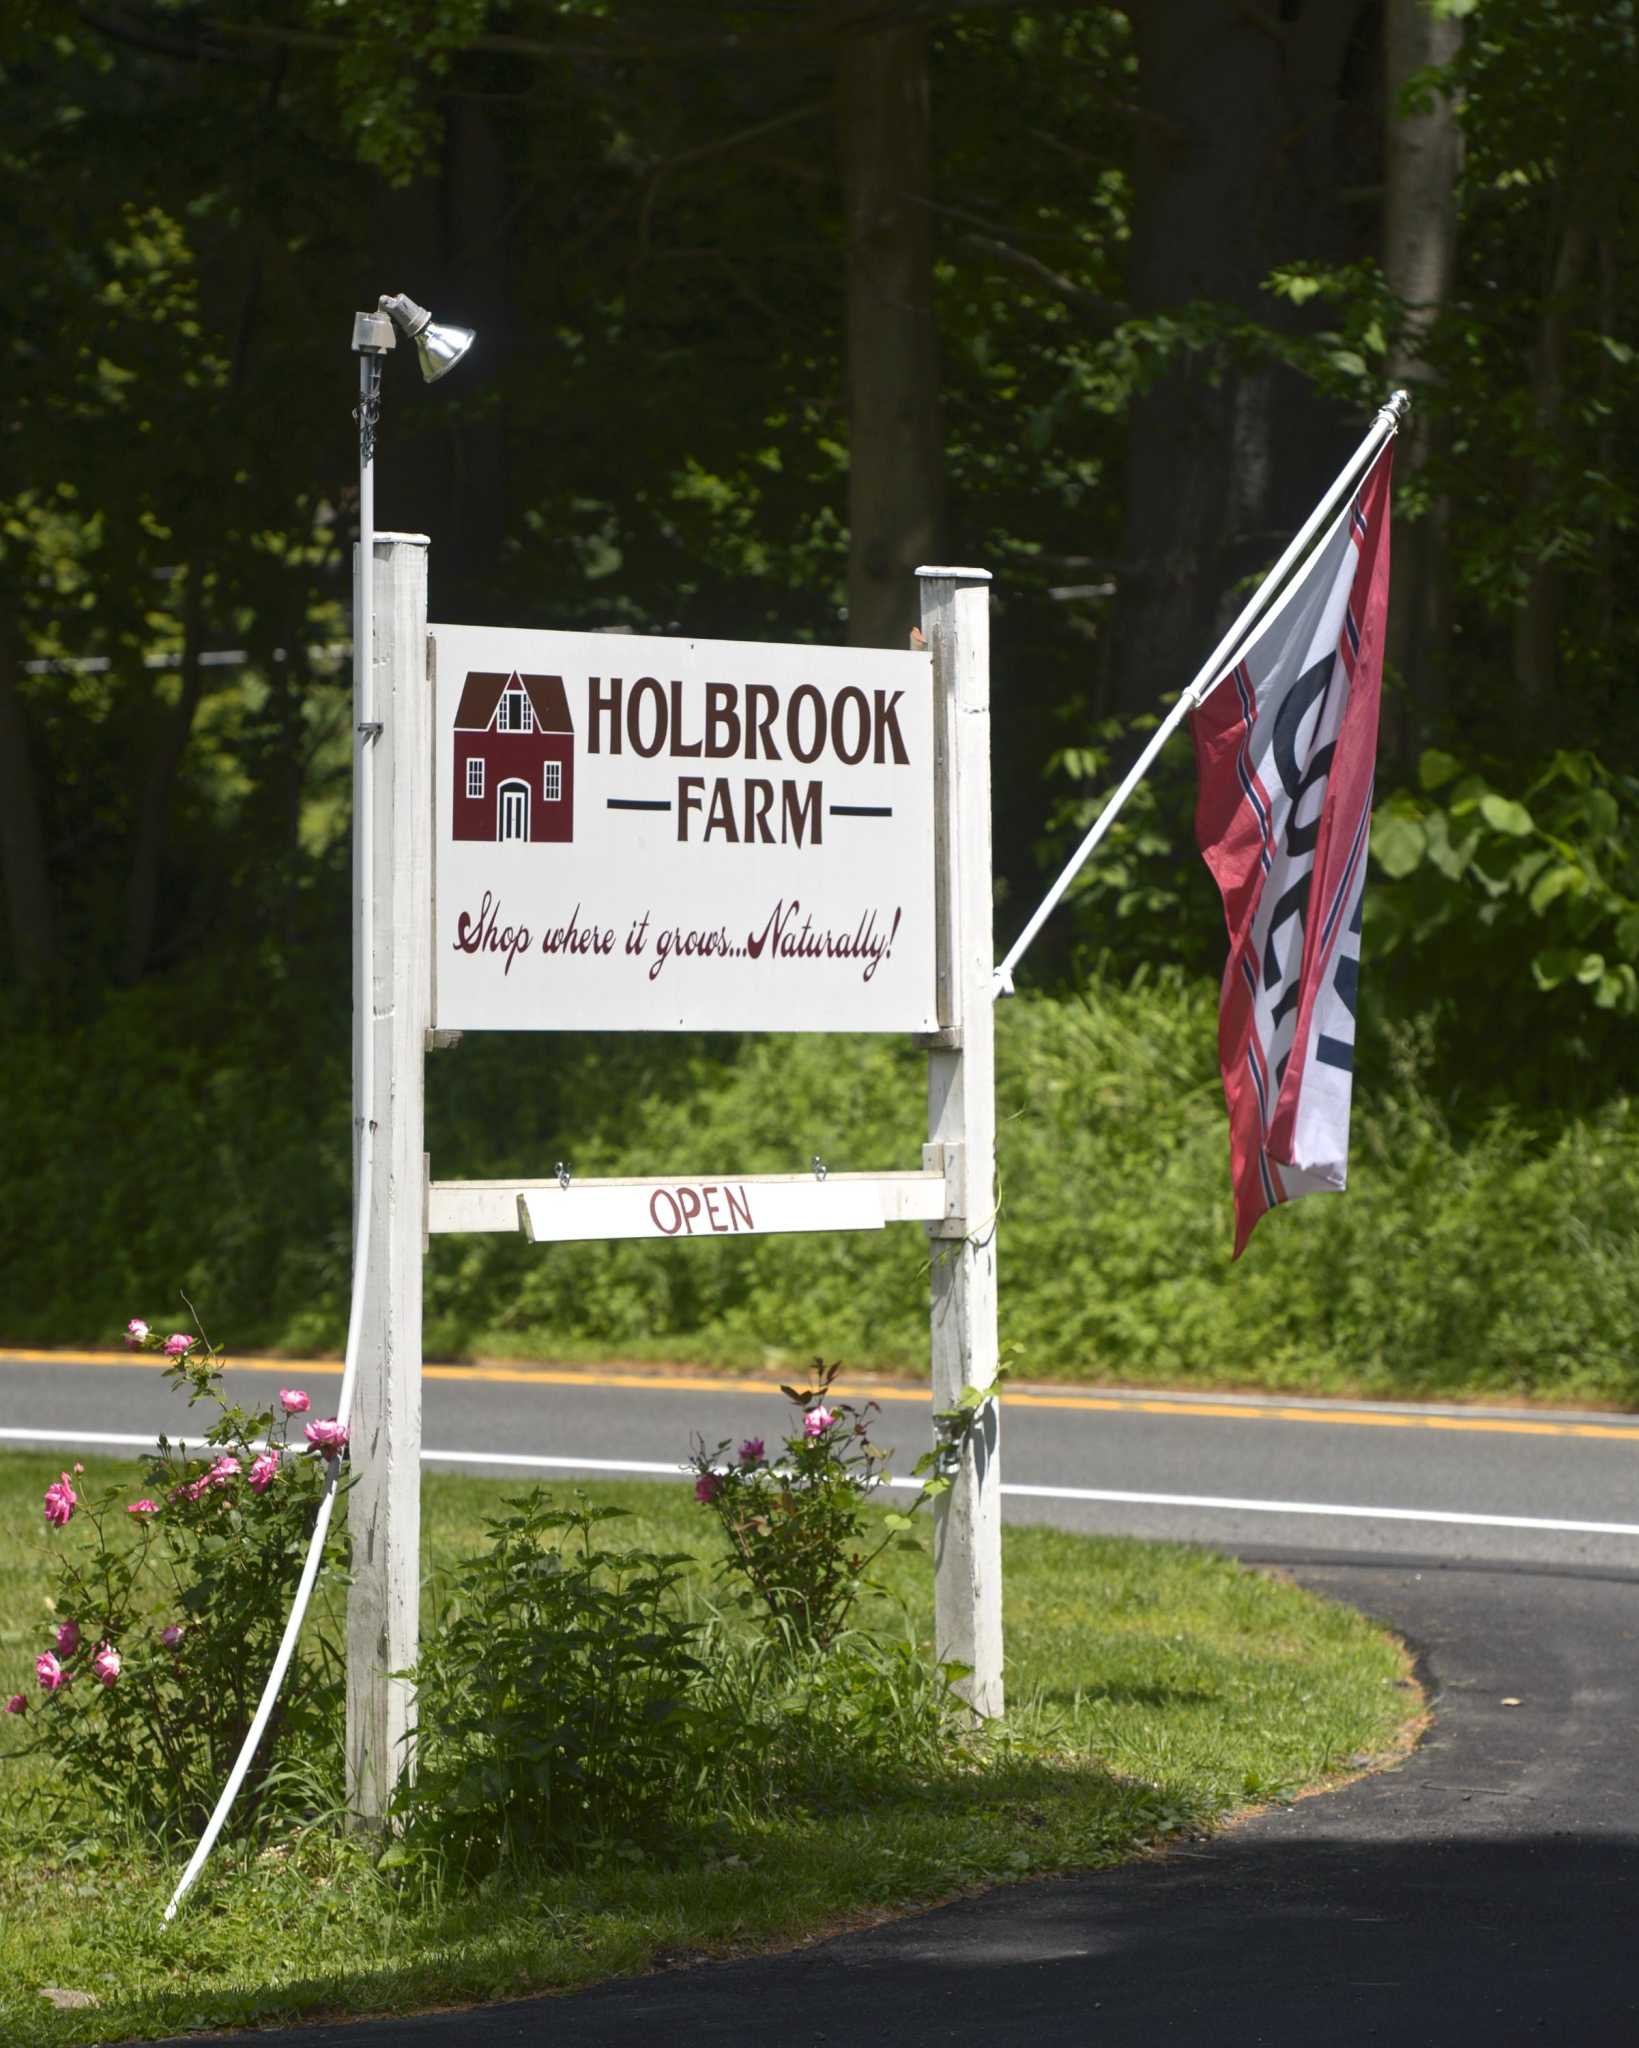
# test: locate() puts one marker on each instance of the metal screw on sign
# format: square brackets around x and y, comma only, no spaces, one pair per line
[563,1176]
[820,1168]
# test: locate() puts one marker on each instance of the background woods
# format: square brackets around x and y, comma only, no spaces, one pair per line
[774,302]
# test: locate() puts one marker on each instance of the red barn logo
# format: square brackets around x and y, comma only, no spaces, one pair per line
[514,759]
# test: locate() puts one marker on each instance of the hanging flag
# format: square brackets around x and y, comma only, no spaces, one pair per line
[1286,744]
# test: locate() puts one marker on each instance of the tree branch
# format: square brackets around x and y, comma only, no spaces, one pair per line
[1108,312]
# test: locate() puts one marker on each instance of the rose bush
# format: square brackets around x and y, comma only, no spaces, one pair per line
[796,1523]
[170,1606]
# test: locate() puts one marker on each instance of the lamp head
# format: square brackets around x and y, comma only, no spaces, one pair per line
[438,347]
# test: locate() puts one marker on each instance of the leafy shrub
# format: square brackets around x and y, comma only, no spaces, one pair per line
[171,1606]
[796,1524]
[559,1699]
[1490,892]
[1483,1245]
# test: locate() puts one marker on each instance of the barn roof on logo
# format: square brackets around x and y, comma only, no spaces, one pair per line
[482,692]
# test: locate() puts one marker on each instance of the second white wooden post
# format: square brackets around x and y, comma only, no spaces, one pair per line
[962,1123]
[393,990]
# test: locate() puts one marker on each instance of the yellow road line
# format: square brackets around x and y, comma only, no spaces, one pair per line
[692,1383]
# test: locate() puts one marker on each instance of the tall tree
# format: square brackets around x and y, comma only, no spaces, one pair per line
[1422,161]
[1246,137]
[896,472]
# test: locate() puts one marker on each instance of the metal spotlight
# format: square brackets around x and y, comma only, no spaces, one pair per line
[439,347]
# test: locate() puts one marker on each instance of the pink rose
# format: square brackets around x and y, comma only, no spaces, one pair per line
[49,1672]
[177,1346]
[106,1663]
[264,1472]
[173,1635]
[143,1507]
[136,1333]
[707,1487]
[817,1421]
[17,1704]
[293,1401]
[61,1501]
[751,1450]
[328,1437]
[68,1638]
[225,1468]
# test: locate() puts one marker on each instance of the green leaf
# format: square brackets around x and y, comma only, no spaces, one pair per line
[1502,814]
[1554,966]
[1526,869]
[1590,969]
[1450,856]
[1399,843]
[1554,884]
[1601,813]
[1437,768]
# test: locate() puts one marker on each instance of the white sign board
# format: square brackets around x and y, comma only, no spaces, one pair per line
[645,834]
[683,1208]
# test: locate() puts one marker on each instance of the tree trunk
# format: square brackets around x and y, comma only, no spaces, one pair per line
[22,850]
[472,523]
[896,464]
[174,725]
[1536,623]
[1422,156]
[1241,124]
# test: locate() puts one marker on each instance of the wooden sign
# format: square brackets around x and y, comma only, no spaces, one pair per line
[680,1209]
[645,834]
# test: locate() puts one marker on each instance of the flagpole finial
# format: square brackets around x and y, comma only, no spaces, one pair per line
[1397,408]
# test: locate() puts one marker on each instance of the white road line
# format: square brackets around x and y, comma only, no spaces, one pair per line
[1318,1507]
[552,1464]
[1321,1509]
[78,1436]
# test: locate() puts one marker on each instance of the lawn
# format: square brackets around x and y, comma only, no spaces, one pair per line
[1154,1690]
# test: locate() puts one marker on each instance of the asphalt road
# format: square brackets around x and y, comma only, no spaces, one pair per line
[1492,1486]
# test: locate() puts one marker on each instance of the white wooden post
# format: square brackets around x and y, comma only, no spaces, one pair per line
[967,1583]
[384,1503]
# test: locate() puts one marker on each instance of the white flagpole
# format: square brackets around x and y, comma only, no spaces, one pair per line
[1216,666]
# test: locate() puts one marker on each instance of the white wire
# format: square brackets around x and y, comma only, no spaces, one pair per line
[364,839]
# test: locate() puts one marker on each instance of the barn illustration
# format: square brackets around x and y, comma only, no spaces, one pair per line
[514,759]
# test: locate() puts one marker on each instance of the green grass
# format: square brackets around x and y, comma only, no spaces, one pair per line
[1154,1690]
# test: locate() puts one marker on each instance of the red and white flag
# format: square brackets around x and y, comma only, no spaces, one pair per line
[1286,745]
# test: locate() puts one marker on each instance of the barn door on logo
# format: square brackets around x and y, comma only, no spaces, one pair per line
[513,798]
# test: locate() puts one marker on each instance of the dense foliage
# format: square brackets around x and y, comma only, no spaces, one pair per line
[1500,1254]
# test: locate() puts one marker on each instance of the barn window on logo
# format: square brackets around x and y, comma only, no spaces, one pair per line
[517,714]
[475,775]
[552,782]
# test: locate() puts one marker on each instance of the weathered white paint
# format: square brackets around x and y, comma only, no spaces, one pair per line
[692,870]
[384,1502]
[468,1206]
[724,1205]
[962,1118]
